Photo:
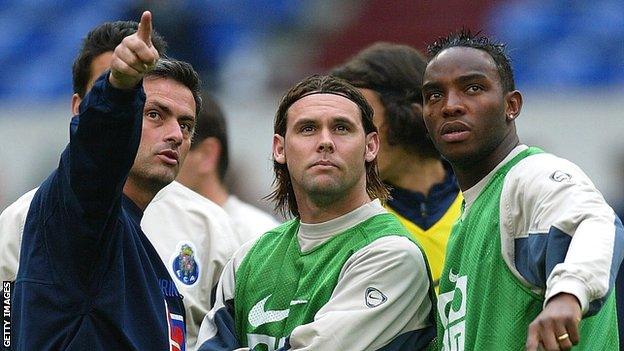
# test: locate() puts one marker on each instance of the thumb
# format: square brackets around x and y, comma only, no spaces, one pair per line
[144,32]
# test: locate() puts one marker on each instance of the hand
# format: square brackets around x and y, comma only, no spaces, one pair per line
[556,327]
[134,57]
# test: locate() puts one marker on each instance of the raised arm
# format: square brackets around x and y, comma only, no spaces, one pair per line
[104,143]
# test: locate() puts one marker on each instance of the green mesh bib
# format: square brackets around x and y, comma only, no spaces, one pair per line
[278,287]
[482,305]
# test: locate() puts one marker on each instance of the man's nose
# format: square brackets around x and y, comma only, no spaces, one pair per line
[453,105]
[173,131]
[326,142]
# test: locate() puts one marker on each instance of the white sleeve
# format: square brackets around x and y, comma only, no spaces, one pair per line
[217,330]
[382,297]
[559,234]
[12,222]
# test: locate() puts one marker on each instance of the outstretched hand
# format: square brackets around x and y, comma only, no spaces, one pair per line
[134,56]
[557,326]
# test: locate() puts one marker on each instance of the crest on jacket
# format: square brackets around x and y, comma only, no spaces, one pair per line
[185,264]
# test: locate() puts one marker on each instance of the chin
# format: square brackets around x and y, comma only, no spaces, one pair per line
[161,179]
[324,188]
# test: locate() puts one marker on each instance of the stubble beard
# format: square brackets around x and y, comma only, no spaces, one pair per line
[325,193]
[151,179]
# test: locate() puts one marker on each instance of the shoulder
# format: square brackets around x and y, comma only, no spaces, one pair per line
[178,191]
[177,197]
[15,215]
[545,170]
[12,221]
[178,212]
[242,252]
[240,209]
[390,252]
[19,209]
[282,231]
[270,239]
[542,187]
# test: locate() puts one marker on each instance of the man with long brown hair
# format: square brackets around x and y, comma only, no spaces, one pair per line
[343,274]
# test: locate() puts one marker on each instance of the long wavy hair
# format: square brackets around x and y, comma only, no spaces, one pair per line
[283,194]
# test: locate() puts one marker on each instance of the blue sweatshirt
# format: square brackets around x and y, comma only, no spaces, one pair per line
[88,277]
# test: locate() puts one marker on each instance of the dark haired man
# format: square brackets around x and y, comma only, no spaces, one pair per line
[424,194]
[192,235]
[534,254]
[205,169]
[343,274]
[93,59]
[88,277]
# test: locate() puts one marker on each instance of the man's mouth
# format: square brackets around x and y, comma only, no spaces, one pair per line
[455,131]
[323,163]
[169,157]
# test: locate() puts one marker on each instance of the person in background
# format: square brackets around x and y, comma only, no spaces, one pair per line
[532,260]
[424,194]
[205,171]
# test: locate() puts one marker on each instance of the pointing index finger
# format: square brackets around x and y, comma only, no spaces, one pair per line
[144,32]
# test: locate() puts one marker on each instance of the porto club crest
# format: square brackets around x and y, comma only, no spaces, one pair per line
[184,263]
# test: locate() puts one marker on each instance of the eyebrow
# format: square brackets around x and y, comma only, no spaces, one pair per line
[430,86]
[470,77]
[335,119]
[158,105]
[304,120]
[461,79]
[167,110]
[340,119]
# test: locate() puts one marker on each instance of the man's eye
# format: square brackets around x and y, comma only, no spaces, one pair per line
[307,129]
[474,88]
[153,114]
[342,128]
[434,96]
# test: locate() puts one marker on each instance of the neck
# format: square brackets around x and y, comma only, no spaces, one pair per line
[208,186]
[417,173]
[470,173]
[141,196]
[324,208]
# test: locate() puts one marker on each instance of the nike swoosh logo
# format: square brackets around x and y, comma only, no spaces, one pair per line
[258,316]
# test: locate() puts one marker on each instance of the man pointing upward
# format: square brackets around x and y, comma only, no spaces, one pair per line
[88,277]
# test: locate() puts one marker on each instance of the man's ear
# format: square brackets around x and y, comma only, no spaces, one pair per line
[75,104]
[278,149]
[372,146]
[513,105]
[209,151]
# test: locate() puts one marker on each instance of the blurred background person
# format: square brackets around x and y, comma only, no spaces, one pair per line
[205,169]
[424,194]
